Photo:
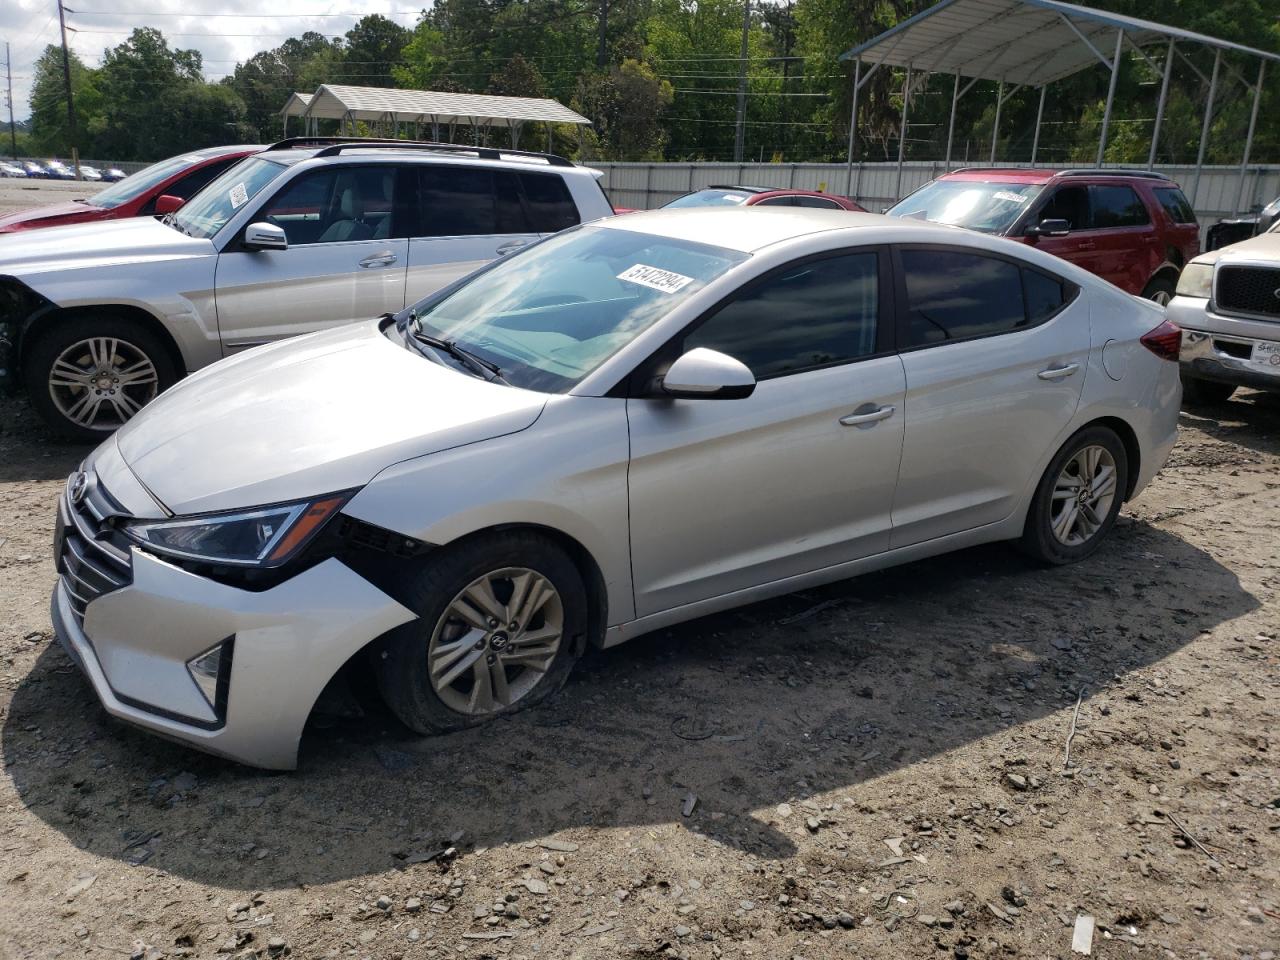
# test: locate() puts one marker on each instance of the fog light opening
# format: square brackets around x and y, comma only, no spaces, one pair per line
[211,672]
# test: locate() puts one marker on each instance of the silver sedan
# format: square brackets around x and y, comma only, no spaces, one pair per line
[628,425]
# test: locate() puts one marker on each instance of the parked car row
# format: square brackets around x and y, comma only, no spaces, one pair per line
[57,170]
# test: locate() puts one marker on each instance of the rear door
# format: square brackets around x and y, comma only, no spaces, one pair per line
[345,261]
[995,356]
[1127,246]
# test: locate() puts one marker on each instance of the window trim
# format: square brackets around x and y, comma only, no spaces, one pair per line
[638,384]
[1070,292]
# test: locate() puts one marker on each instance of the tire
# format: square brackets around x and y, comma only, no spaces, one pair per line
[1205,393]
[1041,538]
[401,661]
[1160,290]
[102,348]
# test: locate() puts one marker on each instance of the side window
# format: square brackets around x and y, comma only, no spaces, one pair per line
[954,295]
[776,202]
[1117,207]
[1070,204]
[468,202]
[1045,295]
[808,315]
[1175,204]
[550,204]
[194,182]
[818,202]
[335,205]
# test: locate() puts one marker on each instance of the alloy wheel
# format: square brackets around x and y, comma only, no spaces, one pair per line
[1083,495]
[100,382]
[1161,298]
[495,641]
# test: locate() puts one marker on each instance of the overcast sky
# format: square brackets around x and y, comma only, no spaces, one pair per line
[224,32]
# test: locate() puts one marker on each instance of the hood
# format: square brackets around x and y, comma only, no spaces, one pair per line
[50,214]
[102,244]
[310,416]
[1265,246]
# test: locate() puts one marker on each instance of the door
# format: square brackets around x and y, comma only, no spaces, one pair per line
[731,494]
[1128,246]
[345,261]
[467,216]
[995,357]
[1080,246]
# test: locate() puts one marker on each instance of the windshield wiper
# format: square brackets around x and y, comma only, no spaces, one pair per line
[477,364]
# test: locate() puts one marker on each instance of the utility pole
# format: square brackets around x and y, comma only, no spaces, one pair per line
[742,84]
[66,79]
[8,69]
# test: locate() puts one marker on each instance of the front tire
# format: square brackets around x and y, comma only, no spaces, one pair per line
[1205,393]
[501,618]
[1078,498]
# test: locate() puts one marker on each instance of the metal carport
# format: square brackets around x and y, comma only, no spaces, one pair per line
[1032,43]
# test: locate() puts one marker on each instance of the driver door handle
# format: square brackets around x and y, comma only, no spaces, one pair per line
[384,259]
[853,419]
[1058,373]
[511,247]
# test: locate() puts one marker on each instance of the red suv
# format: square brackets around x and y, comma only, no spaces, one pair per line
[1134,228]
[136,196]
[763,197]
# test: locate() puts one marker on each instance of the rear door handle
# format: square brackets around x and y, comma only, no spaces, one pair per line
[854,419]
[511,247]
[1058,373]
[384,259]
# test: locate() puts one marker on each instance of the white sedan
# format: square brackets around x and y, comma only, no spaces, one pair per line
[630,424]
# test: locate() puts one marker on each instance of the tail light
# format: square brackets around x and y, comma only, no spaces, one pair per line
[1164,341]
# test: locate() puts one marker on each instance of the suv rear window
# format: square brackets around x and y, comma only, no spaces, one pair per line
[1116,206]
[550,204]
[1176,204]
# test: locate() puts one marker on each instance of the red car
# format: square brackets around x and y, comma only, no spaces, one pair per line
[763,197]
[1132,227]
[139,195]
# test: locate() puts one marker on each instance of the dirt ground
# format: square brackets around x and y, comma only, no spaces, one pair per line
[878,769]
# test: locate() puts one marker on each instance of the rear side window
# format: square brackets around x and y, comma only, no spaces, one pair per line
[776,202]
[551,205]
[1175,204]
[456,201]
[1117,206]
[1044,294]
[817,202]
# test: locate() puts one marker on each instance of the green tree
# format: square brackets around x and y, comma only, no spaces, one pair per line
[626,106]
[373,49]
[50,132]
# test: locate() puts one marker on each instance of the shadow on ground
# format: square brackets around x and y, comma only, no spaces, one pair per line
[777,701]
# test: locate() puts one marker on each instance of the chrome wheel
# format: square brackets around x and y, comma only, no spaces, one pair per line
[1161,297]
[101,382]
[495,641]
[1083,495]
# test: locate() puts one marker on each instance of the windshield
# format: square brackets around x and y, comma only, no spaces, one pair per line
[985,207]
[552,314]
[140,182]
[710,198]
[209,210]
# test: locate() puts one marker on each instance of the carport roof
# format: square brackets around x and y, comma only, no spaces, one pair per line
[1031,42]
[335,102]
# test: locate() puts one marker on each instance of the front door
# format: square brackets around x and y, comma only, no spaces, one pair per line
[995,361]
[731,494]
[345,261]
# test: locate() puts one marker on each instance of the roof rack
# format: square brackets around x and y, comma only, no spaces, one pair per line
[1113,172]
[332,146]
[737,186]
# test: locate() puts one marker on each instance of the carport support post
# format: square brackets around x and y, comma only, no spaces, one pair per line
[1035,141]
[1248,140]
[902,134]
[853,127]
[951,127]
[995,126]
[1204,128]
[1164,94]
[1111,96]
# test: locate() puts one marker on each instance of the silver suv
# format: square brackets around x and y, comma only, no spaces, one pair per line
[95,320]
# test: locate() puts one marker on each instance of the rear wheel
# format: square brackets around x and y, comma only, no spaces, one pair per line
[1160,290]
[1205,393]
[500,619]
[1078,498]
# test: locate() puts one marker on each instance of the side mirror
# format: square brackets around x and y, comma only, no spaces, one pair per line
[703,374]
[265,236]
[167,203]
[1049,228]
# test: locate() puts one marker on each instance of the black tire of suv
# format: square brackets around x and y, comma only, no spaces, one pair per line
[49,344]
[400,661]
[1038,541]
[1205,393]
[1159,287]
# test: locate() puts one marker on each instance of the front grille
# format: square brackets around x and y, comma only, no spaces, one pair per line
[1251,290]
[92,558]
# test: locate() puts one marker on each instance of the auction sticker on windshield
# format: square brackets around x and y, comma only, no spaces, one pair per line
[239,196]
[655,278]
[1011,197]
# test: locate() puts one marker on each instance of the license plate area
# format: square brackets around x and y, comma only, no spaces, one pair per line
[1266,357]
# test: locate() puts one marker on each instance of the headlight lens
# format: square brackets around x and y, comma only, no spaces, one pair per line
[265,537]
[1196,281]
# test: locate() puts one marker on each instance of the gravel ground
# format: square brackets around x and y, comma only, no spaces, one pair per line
[872,769]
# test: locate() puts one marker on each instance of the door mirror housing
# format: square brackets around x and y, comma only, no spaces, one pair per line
[1049,228]
[167,203]
[703,374]
[265,236]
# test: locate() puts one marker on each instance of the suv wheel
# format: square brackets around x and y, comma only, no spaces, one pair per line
[1078,498]
[87,376]
[1205,393]
[1160,290]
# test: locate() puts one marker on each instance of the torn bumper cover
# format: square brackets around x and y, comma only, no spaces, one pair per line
[229,671]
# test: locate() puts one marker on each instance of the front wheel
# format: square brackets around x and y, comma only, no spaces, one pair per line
[1078,498]
[501,618]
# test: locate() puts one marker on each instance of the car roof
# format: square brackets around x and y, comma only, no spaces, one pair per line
[206,152]
[1042,175]
[749,230]
[293,155]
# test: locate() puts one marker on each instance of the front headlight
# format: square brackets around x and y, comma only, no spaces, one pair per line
[1196,280]
[265,537]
